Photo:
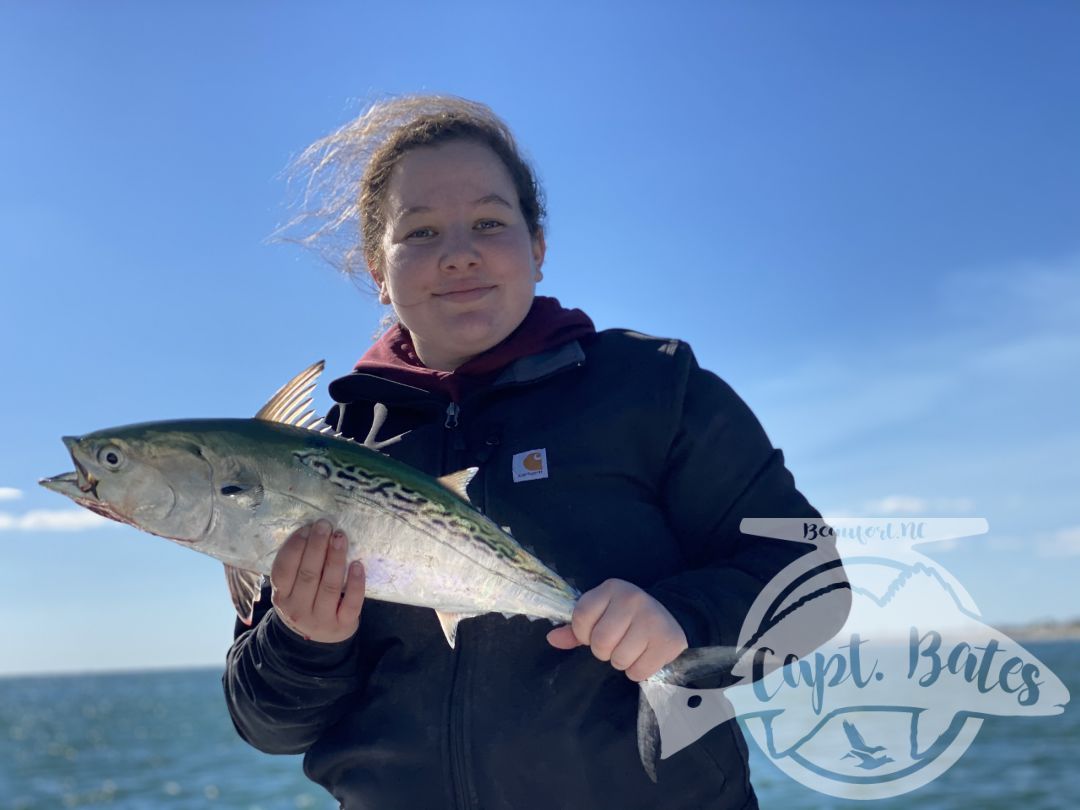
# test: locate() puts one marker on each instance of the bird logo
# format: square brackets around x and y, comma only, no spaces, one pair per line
[863,752]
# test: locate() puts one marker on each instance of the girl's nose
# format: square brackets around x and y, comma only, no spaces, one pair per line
[460,252]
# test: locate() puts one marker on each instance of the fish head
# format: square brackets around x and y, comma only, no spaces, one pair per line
[153,479]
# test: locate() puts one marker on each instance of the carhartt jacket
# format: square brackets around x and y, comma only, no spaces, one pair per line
[612,456]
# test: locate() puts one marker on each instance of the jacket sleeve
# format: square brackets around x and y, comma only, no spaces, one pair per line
[720,469]
[282,690]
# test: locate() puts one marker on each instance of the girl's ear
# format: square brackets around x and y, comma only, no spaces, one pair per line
[380,283]
[539,249]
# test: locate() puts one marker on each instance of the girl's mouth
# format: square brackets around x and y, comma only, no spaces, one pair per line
[465,296]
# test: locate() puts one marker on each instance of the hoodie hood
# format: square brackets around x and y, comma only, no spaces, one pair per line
[546,326]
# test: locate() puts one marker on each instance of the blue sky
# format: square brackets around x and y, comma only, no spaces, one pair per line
[863,216]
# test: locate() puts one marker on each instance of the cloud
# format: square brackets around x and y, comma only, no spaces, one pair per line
[896,505]
[1062,543]
[51,520]
[10,494]
[1043,294]
[916,506]
[913,506]
[1013,359]
[824,405]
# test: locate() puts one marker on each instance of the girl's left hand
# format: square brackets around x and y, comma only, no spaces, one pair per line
[622,624]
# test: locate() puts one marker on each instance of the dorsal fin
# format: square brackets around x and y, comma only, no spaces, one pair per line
[457,482]
[291,405]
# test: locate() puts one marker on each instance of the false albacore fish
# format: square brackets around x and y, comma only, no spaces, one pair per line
[235,489]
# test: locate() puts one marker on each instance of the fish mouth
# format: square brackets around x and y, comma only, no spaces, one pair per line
[73,485]
[65,483]
[77,484]
[85,480]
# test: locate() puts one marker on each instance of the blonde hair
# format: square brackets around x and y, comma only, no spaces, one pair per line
[346,174]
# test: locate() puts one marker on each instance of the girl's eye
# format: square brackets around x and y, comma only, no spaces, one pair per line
[488,224]
[420,233]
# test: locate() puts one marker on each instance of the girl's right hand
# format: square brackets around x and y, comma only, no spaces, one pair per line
[311,591]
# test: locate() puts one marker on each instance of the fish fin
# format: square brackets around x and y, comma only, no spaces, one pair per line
[291,405]
[648,736]
[244,588]
[507,530]
[449,623]
[672,717]
[378,417]
[457,482]
[693,663]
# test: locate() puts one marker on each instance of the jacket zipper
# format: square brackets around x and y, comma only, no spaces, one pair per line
[458,769]
[452,412]
[458,678]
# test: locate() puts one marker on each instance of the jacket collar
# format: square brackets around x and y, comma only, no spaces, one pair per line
[361,387]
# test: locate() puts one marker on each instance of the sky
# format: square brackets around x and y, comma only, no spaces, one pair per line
[864,217]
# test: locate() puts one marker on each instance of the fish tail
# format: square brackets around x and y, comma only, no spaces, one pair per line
[693,665]
[648,735]
[699,662]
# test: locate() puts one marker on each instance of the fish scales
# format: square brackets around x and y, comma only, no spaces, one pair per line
[424,507]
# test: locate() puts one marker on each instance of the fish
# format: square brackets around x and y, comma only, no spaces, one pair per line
[235,489]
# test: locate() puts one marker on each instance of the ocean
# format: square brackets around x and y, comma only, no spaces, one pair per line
[163,739]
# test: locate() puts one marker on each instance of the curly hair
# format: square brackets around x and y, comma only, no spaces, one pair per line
[346,174]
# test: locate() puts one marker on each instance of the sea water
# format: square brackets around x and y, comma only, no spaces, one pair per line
[163,739]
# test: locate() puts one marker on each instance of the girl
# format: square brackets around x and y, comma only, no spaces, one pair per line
[611,455]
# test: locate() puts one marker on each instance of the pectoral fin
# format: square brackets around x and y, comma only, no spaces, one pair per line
[449,623]
[244,588]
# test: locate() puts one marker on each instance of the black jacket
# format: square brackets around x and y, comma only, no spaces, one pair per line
[651,464]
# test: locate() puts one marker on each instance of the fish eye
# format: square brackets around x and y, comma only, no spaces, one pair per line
[111,457]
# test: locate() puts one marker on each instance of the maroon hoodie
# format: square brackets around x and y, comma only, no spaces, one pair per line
[547,326]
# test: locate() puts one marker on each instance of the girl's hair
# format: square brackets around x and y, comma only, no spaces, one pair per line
[346,174]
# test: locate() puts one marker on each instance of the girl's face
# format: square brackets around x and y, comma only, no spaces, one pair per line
[459,265]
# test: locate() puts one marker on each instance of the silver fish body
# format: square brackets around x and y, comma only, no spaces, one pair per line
[235,489]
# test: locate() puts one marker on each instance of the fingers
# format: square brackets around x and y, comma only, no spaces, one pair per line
[331,579]
[588,610]
[651,660]
[309,573]
[611,629]
[283,571]
[353,598]
[623,624]
[563,638]
[315,592]
[629,649]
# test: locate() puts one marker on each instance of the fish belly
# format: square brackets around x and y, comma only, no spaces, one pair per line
[422,563]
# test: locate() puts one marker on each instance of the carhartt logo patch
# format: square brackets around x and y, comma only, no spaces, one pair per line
[530,465]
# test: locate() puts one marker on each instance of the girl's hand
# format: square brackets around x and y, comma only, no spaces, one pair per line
[622,624]
[311,593]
